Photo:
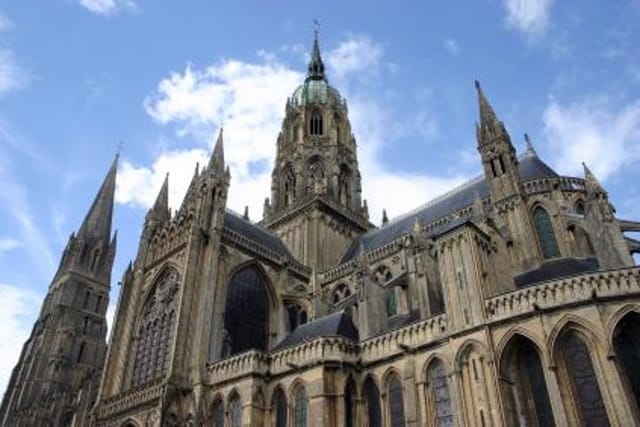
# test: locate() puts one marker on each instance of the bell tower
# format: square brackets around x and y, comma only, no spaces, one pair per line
[316,205]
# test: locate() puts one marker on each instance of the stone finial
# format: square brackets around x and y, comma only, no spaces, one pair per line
[385,218]
[246,213]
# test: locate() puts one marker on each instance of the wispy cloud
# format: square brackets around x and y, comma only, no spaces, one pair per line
[108,7]
[19,307]
[530,17]
[248,98]
[596,131]
[452,46]
[12,75]
[8,243]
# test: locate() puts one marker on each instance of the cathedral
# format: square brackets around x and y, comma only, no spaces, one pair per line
[511,300]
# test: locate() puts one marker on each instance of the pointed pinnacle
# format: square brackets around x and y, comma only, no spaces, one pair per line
[486,111]
[385,218]
[530,150]
[591,182]
[315,70]
[160,209]
[217,157]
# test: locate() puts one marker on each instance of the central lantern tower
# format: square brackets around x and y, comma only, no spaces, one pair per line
[316,206]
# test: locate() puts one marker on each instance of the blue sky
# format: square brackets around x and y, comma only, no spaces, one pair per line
[79,76]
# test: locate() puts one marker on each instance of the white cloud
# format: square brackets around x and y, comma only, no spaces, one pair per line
[12,76]
[18,307]
[528,16]
[107,7]
[357,53]
[452,46]
[249,99]
[605,136]
[8,243]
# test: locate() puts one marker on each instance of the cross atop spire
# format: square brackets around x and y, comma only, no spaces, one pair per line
[315,70]
[98,220]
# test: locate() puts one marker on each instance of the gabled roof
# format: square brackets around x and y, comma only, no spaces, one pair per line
[254,232]
[530,167]
[335,324]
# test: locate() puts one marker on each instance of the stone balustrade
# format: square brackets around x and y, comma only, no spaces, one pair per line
[250,362]
[565,183]
[132,398]
[566,291]
[321,350]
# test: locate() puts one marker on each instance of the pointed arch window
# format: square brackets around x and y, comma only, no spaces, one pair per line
[546,235]
[301,404]
[235,411]
[289,186]
[246,317]
[626,341]
[341,293]
[156,330]
[350,404]
[218,413]
[372,400]
[279,406]
[315,124]
[344,185]
[583,382]
[392,302]
[395,402]
[438,395]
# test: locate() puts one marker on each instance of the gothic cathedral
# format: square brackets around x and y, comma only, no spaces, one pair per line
[512,300]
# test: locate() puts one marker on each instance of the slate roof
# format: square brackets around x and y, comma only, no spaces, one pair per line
[334,324]
[251,231]
[556,269]
[530,167]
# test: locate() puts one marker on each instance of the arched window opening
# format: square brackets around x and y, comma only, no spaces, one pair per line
[81,352]
[315,124]
[235,411]
[301,404]
[279,406]
[579,207]
[626,340]
[523,385]
[289,186]
[392,302]
[546,235]
[350,403]
[395,402]
[583,241]
[297,316]
[582,381]
[371,396]
[218,413]
[344,186]
[246,317]
[315,176]
[438,395]
[95,258]
[341,293]
[156,330]
[382,275]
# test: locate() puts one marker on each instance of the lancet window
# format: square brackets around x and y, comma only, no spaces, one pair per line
[315,124]
[301,405]
[438,395]
[546,235]
[156,330]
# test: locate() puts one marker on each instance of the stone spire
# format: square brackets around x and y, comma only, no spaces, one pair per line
[160,210]
[217,157]
[489,127]
[97,222]
[592,185]
[315,70]
[530,150]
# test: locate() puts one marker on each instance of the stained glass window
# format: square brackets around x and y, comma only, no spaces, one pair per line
[280,408]
[396,402]
[301,403]
[246,316]
[584,382]
[546,235]
[439,390]
[156,330]
[372,400]
[392,304]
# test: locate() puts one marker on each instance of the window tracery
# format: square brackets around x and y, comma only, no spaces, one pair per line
[395,402]
[156,330]
[344,185]
[301,404]
[315,124]
[439,395]
[372,400]
[279,406]
[546,235]
[341,293]
[235,411]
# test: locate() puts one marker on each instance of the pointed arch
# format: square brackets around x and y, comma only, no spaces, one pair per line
[349,400]
[316,123]
[300,405]
[526,334]
[248,308]
[579,384]
[522,383]
[545,232]
[217,411]
[279,407]
[472,365]
[155,328]
[626,344]
[438,393]
[344,185]
[572,322]
[371,397]
[395,400]
[235,410]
